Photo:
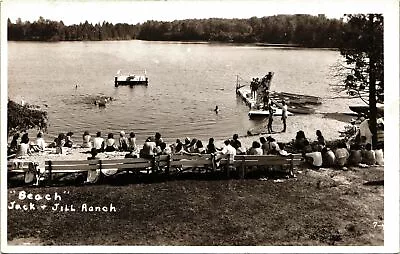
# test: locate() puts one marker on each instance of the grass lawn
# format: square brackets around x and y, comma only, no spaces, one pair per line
[325,207]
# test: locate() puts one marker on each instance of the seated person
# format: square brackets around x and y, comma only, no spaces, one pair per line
[192,146]
[199,147]
[149,148]
[123,142]
[273,147]
[98,142]
[228,149]
[355,156]
[255,149]
[264,145]
[14,144]
[158,139]
[93,152]
[236,142]
[132,142]
[187,144]
[314,158]
[68,140]
[211,146]
[299,142]
[341,154]
[24,147]
[328,157]
[110,143]
[86,140]
[165,150]
[40,144]
[320,138]
[368,155]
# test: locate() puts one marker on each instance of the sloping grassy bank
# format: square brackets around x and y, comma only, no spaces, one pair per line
[325,207]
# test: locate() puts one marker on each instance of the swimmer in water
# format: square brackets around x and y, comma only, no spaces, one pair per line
[216,109]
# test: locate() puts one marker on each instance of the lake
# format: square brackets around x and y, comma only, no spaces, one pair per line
[186,82]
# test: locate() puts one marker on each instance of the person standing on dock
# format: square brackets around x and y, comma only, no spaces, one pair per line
[270,120]
[284,115]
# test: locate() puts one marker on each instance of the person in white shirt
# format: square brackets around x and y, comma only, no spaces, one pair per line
[228,148]
[86,140]
[40,143]
[98,142]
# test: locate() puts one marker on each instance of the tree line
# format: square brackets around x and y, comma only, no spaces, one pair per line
[302,30]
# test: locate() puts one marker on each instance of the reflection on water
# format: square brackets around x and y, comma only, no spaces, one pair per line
[186,82]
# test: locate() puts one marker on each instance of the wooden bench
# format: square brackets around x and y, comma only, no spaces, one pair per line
[243,162]
[18,167]
[179,162]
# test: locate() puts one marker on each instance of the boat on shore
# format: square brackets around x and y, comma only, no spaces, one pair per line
[364,109]
[131,79]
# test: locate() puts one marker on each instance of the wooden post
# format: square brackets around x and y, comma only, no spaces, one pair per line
[50,173]
[242,169]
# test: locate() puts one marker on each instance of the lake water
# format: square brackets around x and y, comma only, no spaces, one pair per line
[186,82]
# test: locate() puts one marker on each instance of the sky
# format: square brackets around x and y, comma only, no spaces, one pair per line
[132,12]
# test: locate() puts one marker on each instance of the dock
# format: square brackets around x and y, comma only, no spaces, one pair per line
[296,103]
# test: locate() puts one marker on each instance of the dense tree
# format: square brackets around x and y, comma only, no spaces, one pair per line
[362,49]
[304,30]
[24,117]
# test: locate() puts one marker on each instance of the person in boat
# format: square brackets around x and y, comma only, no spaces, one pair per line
[86,140]
[123,142]
[284,115]
[255,149]
[216,109]
[98,142]
[110,143]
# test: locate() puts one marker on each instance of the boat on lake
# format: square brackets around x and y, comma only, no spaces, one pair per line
[364,109]
[131,79]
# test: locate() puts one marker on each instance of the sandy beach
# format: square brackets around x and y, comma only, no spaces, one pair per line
[308,123]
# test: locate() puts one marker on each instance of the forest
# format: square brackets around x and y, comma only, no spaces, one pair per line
[297,30]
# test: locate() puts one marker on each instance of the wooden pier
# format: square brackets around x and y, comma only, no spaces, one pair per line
[296,103]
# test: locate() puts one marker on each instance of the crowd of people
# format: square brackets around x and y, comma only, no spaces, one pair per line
[317,153]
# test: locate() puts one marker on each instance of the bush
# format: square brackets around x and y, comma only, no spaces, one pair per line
[24,117]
